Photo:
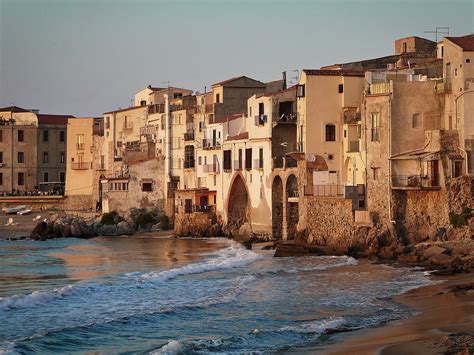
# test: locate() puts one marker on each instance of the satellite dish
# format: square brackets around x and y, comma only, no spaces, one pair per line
[311,158]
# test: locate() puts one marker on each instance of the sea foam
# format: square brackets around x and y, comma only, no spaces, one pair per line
[34,298]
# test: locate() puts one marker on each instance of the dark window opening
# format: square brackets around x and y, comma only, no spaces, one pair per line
[248,158]
[1,157]
[300,91]
[1,135]
[218,98]
[46,177]
[147,186]
[341,88]
[21,135]
[62,136]
[21,157]
[21,179]
[45,157]
[1,178]
[62,176]
[45,136]
[143,103]
[330,133]
[227,159]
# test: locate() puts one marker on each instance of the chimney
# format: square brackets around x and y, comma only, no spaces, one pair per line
[284,80]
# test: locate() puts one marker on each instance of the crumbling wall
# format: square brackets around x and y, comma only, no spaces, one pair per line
[193,224]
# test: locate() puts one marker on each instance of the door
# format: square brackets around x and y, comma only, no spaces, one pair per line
[434,172]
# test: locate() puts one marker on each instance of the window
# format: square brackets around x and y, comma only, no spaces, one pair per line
[21,179]
[375,127]
[227,159]
[46,177]
[177,95]
[330,133]
[404,47]
[300,91]
[80,142]
[45,136]
[375,174]
[45,157]
[1,157]
[62,136]
[468,60]
[21,157]
[218,98]
[147,186]
[455,71]
[417,121]
[1,178]
[62,157]
[341,88]
[260,158]
[248,158]
[62,176]
[1,135]
[215,183]
[21,135]
[189,157]
[143,103]
[107,122]
[250,111]
[200,160]
[457,168]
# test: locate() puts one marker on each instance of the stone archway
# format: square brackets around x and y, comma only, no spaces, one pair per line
[238,205]
[277,208]
[292,215]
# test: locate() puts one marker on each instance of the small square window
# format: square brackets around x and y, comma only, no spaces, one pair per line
[468,60]
[147,186]
[341,88]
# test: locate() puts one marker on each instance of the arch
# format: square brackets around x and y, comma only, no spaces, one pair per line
[292,210]
[277,208]
[238,207]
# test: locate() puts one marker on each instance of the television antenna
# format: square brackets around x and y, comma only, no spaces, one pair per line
[439,30]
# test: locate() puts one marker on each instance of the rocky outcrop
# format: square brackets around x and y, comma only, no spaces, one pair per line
[62,227]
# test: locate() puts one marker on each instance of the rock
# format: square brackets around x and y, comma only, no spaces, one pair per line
[407,258]
[400,249]
[123,228]
[433,250]
[440,235]
[283,250]
[76,230]
[447,261]
[40,231]
[386,253]
[156,227]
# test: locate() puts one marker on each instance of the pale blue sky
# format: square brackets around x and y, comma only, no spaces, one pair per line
[86,57]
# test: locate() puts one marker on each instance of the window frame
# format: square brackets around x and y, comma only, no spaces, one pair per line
[328,135]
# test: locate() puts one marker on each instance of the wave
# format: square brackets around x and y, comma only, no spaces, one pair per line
[232,257]
[171,348]
[34,298]
[316,327]
[8,348]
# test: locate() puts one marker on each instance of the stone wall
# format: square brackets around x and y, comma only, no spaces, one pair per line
[35,203]
[79,203]
[329,222]
[192,224]
[460,193]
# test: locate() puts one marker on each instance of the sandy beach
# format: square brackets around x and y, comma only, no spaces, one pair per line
[444,325]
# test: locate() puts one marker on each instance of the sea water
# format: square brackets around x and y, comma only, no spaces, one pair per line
[167,296]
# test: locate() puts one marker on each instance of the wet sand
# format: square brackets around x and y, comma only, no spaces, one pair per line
[444,325]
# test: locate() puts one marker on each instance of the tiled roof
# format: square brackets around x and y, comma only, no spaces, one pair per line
[244,135]
[465,42]
[53,119]
[127,109]
[291,88]
[334,72]
[13,109]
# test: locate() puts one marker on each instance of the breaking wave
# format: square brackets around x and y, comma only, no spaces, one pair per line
[34,298]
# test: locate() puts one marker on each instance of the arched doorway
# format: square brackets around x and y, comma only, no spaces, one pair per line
[292,216]
[238,206]
[277,208]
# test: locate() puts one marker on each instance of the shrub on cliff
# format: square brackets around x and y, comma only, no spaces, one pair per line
[461,219]
[111,218]
[144,218]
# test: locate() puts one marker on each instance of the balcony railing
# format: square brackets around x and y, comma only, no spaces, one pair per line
[414,182]
[211,143]
[238,164]
[353,146]
[189,136]
[258,163]
[443,86]
[80,146]
[204,208]
[380,88]
[284,163]
[284,117]
[324,190]
[293,193]
[81,166]
[211,168]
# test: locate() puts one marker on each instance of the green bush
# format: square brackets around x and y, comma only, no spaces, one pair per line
[461,219]
[111,218]
[144,218]
[165,222]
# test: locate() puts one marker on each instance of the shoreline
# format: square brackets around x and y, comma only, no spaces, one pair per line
[444,323]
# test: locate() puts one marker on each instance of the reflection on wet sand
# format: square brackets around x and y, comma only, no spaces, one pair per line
[108,256]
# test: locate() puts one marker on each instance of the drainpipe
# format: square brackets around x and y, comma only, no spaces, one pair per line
[11,149]
[389,178]
[167,142]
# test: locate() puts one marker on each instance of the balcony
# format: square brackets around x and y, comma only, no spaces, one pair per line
[81,166]
[211,168]
[443,86]
[324,190]
[415,182]
[204,208]
[80,146]
[380,89]
[353,146]
[189,136]
[238,165]
[283,118]
[260,120]
[211,143]
[258,163]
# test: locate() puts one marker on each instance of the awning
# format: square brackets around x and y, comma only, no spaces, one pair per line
[421,155]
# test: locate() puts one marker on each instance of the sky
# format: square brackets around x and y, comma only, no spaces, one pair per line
[86,57]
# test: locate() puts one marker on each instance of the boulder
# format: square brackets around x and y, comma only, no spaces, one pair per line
[76,228]
[407,258]
[156,227]
[123,228]
[386,253]
[433,250]
[40,231]
[446,261]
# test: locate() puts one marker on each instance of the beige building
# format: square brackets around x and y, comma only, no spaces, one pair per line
[85,162]
[32,150]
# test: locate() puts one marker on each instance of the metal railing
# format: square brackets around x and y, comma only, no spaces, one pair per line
[189,163]
[211,143]
[379,88]
[211,168]
[80,166]
[189,136]
[353,146]
[258,163]
[443,85]
[80,146]
[414,181]
[284,117]
[204,208]
[324,190]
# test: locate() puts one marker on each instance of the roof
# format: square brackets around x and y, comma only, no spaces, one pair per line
[291,88]
[421,155]
[465,42]
[53,119]
[155,90]
[228,118]
[126,109]
[336,72]
[234,79]
[13,109]
[244,135]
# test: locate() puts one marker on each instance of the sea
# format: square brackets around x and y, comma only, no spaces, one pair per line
[154,295]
